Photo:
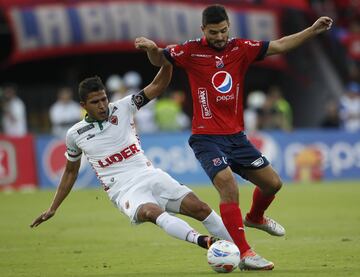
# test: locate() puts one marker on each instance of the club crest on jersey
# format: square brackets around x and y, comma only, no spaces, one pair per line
[219,62]
[113,120]
[222,81]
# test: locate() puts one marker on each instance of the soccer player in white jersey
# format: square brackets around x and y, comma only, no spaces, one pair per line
[107,137]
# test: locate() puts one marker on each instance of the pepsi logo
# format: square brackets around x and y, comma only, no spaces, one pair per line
[222,81]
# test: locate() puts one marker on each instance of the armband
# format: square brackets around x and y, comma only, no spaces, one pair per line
[140,99]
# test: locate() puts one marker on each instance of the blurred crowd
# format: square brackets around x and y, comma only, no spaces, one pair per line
[164,114]
[264,110]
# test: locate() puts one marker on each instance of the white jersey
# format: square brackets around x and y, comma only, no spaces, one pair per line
[112,147]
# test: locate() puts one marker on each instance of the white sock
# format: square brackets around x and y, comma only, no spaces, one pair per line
[177,228]
[214,224]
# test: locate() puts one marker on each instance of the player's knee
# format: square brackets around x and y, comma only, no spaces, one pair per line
[275,185]
[229,193]
[149,212]
[226,185]
[202,211]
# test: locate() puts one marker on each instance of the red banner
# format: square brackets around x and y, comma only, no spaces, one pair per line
[17,163]
[47,28]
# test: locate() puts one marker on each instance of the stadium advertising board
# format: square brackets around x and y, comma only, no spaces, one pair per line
[298,156]
[17,163]
[51,162]
[47,29]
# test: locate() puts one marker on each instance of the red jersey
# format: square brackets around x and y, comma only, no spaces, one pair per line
[216,81]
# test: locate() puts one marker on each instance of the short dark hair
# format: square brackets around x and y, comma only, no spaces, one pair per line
[89,85]
[214,14]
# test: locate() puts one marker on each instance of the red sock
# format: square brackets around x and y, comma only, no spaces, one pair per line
[259,205]
[231,216]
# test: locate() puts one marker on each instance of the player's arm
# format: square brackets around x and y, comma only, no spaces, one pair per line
[155,88]
[290,42]
[66,183]
[154,53]
[160,82]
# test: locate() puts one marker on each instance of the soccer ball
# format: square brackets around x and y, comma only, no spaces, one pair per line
[223,256]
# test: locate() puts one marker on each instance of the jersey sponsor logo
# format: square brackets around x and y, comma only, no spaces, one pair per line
[252,43]
[201,55]
[219,62]
[204,104]
[124,154]
[222,81]
[258,162]
[85,129]
[225,97]
[113,120]
[90,136]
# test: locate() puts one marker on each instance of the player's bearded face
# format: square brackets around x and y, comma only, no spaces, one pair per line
[96,105]
[217,35]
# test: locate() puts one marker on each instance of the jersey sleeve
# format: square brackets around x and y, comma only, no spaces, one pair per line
[178,55]
[127,102]
[73,152]
[254,50]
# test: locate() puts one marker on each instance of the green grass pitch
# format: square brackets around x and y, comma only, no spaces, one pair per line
[89,237]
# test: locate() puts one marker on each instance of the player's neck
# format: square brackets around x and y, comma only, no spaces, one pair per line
[90,119]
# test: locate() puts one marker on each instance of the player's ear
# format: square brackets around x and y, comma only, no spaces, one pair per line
[82,104]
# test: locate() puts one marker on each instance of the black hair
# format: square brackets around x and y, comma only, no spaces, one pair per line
[89,85]
[214,14]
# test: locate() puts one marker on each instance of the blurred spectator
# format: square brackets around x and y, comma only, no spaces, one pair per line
[350,107]
[14,113]
[276,112]
[64,113]
[145,117]
[169,112]
[132,81]
[283,108]
[116,88]
[332,116]
[255,103]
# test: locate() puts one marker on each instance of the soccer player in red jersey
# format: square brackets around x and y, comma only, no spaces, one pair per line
[216,68]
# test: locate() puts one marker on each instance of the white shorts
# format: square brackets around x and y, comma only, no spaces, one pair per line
[155,186]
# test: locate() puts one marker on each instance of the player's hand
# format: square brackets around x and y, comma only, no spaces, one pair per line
[43,217]
[322,24]
[145,44]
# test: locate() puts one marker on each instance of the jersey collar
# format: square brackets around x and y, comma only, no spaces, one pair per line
[204,42]
[89,119]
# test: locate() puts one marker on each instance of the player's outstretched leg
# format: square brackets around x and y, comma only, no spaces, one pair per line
[172,225]
[192,206]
